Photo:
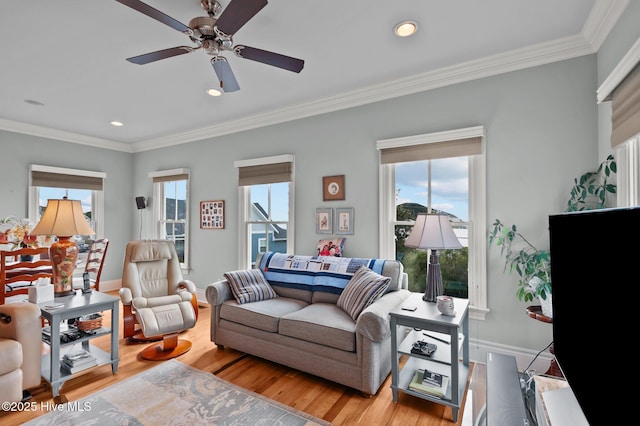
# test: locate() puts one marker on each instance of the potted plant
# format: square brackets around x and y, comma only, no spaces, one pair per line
[533,265]
[591,190]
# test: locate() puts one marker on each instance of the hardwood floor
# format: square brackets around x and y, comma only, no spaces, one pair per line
[324,399]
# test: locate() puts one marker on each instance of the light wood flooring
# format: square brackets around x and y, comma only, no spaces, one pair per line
[321,398]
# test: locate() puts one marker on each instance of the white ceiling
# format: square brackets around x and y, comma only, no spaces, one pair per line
[70,56]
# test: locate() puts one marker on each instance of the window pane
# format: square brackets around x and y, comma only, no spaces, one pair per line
[280,201]
[260,203]
[449,194]
[259,240]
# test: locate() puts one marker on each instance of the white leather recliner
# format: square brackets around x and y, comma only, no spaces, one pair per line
[156,298]
[20,349]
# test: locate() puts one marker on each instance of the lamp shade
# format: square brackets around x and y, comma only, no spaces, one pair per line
[63,218]
[432,231]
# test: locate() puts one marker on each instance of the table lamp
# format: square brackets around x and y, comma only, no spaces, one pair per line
[433,231]
[64,219]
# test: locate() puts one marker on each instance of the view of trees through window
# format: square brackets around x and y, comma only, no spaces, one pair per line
[436,186]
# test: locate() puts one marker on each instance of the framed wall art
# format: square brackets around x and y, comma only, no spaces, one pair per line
[324,221]
[333,188]
[344,221]
[212,214]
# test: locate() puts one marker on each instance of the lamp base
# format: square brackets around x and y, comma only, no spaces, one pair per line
[434,279]
[63,254]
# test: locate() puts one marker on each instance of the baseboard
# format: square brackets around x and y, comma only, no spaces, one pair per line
[478,350]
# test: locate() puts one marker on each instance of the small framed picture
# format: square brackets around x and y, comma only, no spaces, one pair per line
[333,188]
[344,221]
[324,221]
[212,214]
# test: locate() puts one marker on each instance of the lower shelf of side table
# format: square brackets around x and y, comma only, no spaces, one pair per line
[414,363]
[102,357]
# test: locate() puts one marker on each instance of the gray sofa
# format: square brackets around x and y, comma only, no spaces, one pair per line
[303,328]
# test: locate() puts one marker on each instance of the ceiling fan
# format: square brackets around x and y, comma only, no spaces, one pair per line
[213,34]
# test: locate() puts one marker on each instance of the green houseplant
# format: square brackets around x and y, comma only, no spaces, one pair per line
[533,265]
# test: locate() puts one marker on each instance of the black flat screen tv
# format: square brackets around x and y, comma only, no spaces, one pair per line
[595,277]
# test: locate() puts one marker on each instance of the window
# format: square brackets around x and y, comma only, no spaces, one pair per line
[265,188]
[427,159]
[47,182]
[171,210]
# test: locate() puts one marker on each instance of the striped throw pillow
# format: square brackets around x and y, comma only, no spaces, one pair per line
[249,286]
[364,288]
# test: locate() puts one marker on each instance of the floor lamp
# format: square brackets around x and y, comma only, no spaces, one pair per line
[64,219]
[433,232]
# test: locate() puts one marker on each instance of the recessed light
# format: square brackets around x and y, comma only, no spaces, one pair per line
[405,28]
[213,92]
[117,123]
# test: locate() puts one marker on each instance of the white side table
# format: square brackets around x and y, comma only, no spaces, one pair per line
[451,337]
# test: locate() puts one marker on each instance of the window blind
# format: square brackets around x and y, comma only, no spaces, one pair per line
[169,178]
[625,115]
[265,173]
[431,151]
[62,180]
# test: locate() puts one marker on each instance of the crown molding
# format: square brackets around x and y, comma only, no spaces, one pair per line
[61,135]
[544,53]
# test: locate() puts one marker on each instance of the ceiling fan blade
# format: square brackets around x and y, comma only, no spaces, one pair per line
[222,68]
[269,58]
[237,13]
[160,54]
[157,15]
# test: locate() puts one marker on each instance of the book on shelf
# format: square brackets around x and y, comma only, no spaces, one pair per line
[78,361]
[426,381]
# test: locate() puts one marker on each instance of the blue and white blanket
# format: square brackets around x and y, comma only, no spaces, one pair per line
[314,273]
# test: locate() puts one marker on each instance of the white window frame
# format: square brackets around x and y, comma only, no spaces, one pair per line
[628,177]
[158,213]
[97,198]
[244,208]
[477,285]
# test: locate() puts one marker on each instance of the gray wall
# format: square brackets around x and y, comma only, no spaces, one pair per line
[543,130]
[541,133]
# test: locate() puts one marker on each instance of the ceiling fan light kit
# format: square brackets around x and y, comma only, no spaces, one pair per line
[213,34]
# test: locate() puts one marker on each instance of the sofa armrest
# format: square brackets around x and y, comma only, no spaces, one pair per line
[373,322]
[217,292]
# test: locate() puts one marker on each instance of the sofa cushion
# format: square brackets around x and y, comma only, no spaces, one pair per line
[362,290]
[249,286]
[263,315]
[321,323]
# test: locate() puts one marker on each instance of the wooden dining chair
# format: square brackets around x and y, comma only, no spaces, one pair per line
[94,263]
[21,269]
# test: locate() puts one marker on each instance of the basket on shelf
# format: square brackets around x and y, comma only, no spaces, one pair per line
[89,322]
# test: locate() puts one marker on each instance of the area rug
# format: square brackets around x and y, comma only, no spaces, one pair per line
[174,393]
